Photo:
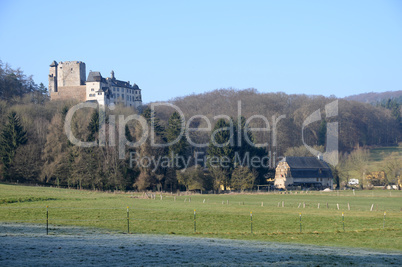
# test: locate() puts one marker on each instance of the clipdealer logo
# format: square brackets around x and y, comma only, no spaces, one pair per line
[332,139]
[148,131]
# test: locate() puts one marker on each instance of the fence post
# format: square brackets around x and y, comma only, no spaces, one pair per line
[251,221]
[300,222]
[128,221]
[383,222]
[343,222]
[195,222]
[47,220]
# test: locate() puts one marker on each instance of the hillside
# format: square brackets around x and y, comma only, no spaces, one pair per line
[359,124]
[34,147]
[376,97]
[48,157]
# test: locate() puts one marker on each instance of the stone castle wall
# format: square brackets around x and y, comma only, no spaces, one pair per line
[70,92]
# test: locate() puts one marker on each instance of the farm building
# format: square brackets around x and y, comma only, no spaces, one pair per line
[304,172]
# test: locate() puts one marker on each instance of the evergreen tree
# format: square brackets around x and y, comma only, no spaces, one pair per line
[336,178]
[93,126]
[246,149]
[172,133]
[152,175]
[221,154]
[151,118]
[322,132]
[12,136]
[245,145]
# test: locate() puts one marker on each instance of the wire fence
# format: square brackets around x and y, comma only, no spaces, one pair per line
[263,221]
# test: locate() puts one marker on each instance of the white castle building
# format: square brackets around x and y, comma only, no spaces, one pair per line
[67,81]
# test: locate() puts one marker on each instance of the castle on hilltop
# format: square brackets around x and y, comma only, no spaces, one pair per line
[67,80]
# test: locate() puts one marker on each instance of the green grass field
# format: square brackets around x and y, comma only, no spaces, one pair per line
[380,153]
[223,216]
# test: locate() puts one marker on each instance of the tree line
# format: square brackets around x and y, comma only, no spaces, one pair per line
[34,147]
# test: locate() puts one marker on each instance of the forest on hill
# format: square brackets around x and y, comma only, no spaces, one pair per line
[360,124]
[34,147]
[374,98]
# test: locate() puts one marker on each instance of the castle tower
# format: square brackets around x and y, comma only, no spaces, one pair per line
[67,80]
[53,77]
[71,73]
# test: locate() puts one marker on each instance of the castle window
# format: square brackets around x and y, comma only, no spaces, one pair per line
[122,96]
[92,89]
[117,89]
[113,88]
[99,93]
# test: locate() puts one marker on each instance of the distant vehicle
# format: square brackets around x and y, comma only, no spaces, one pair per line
[353,182]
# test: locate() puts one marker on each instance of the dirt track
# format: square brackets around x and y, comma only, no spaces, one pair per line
[27,245]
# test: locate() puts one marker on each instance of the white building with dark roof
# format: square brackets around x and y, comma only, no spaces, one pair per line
[303,172]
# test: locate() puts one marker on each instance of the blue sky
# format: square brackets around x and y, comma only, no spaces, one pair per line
[175,48]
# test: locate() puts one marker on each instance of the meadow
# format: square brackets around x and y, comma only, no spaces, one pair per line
[378,154]
[371,218]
